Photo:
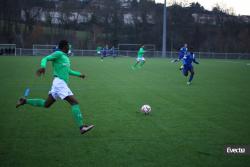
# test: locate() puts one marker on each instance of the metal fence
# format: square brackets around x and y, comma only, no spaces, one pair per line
[169,54]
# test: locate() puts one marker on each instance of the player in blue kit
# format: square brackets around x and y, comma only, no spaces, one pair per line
[183,51]
[187,61]
[104,52]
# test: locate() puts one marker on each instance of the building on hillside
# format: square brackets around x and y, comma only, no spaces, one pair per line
[204,18]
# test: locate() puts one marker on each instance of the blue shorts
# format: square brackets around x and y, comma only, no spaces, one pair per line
[187,68]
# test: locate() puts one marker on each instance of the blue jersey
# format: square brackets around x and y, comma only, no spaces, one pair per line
[104,51]
[182,52]
[188,59]
[55,49]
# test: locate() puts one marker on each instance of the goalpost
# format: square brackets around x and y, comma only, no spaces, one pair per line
[128,49]
[8,49]
[41,50]
[127,46]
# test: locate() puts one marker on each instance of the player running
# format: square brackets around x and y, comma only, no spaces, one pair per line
[183,51]
[104,52]
[140,59]
[59,89]
[187,61]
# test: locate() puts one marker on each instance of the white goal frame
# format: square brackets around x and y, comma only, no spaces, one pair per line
[136,44]
[41,49]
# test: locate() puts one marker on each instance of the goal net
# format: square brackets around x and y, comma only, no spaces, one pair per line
[43,50]
[131,49]
[7,49]
[135,47]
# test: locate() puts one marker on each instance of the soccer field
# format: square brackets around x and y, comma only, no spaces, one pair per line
[188,125]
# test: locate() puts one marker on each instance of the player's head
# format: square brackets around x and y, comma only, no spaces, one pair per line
[64,46]
[142,46]
[185,45]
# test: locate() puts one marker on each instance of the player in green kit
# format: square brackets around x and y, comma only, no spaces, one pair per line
[59,89]
[140,59]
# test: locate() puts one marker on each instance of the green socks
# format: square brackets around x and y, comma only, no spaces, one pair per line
[75,109]
[36,102]
[135,65]
[142,63]
[77,114]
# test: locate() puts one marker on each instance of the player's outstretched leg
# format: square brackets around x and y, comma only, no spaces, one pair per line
[78,115]
[134,66]
[21,101]
[36,102]
[190,77]
[142,63]
[185,72]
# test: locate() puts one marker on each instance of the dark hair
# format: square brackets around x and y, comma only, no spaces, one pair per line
[62,44]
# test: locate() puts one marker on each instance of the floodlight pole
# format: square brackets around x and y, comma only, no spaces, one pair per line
[164,33]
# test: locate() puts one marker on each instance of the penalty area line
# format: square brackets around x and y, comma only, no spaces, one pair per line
[228,61]
[234,62]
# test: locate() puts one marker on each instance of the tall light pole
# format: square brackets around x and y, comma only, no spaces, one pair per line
[164,33]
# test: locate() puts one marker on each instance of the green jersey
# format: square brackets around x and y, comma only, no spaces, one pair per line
[61,65]
[140,53]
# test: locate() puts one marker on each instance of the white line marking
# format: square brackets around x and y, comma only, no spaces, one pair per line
[228,61]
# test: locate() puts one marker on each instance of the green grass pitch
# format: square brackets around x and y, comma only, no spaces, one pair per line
[188,125]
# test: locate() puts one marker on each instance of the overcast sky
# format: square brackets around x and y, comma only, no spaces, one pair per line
[241,7]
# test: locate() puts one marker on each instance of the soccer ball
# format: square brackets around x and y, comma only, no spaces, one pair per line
[146,109]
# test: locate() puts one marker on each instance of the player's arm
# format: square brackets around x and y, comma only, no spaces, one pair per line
[76,73]
[194,60]
[143,51]
[175,60]
[44,61]
[180,56]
